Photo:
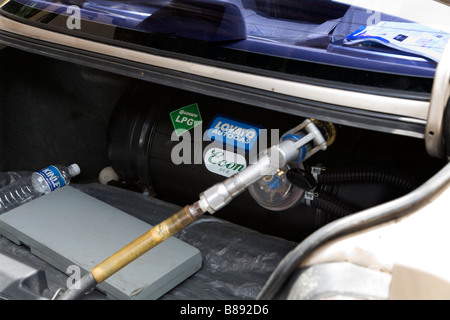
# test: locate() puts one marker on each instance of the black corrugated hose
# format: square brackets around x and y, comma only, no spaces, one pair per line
[337,208]
[368,174]
[333,206]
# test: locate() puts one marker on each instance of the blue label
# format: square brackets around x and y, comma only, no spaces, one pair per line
[53,177]
[233,133]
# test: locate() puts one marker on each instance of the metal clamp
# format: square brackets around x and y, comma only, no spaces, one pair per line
[309,196]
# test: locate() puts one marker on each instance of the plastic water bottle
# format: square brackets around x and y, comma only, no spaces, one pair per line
[39,183]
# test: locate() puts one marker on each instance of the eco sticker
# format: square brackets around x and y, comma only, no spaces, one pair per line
[186,118]
[223,162]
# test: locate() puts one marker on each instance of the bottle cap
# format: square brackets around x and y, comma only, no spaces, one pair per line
[74,170]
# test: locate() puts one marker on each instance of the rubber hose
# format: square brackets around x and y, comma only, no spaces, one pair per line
[334,207]
[330,204]
[367,174]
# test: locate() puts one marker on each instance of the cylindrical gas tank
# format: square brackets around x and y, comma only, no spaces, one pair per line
[181,143]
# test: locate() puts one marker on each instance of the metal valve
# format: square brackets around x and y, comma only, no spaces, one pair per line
[296,145]
[276,192]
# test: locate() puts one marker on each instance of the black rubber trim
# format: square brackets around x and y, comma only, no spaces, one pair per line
[446,124]
[274,101]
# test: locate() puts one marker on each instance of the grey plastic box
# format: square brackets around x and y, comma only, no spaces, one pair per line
[68,227]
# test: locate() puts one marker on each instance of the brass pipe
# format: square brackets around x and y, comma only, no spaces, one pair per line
[134,250]
[141,245]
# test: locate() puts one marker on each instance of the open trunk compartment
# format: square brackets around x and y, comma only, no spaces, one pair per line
[55,111]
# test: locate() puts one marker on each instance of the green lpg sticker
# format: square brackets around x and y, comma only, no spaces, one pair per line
[186,118]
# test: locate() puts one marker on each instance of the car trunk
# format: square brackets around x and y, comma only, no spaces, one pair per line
[55,111]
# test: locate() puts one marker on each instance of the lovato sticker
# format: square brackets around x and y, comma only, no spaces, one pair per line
[233,133]
[223,162]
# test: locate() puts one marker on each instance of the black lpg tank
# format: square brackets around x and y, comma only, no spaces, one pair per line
[180,143]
